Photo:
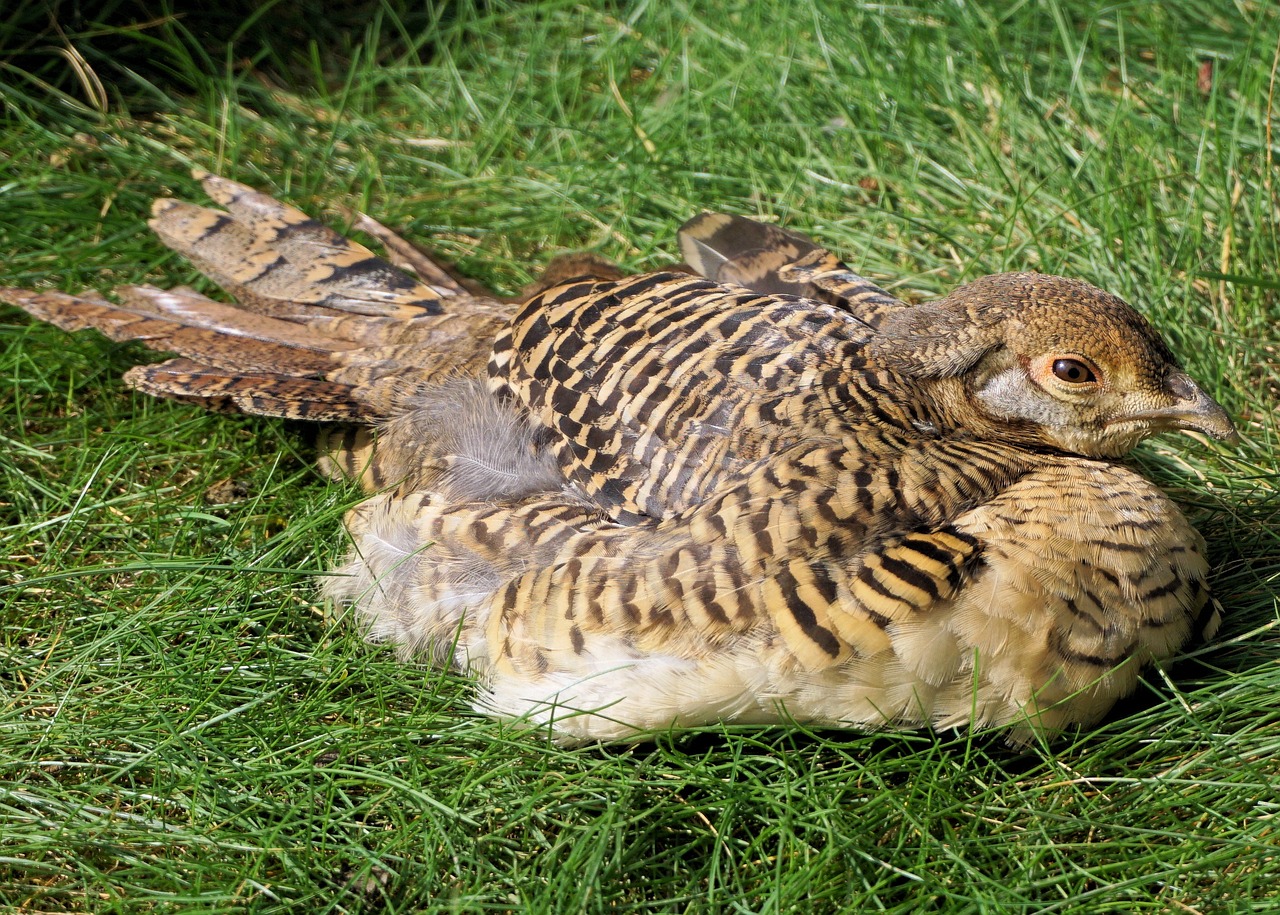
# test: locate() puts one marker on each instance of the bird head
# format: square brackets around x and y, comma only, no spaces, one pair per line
[1049,361]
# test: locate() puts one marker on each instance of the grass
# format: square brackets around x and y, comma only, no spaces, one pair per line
[183,730]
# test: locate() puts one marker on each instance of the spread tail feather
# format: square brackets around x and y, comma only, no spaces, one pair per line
[202,330]
[413,258]
[261,393]
[322,329]
[275,259]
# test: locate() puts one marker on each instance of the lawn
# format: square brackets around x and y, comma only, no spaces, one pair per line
[185,728]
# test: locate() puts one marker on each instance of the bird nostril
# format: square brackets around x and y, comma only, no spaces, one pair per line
[1181,387]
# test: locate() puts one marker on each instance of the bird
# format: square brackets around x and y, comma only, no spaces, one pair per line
[753,487]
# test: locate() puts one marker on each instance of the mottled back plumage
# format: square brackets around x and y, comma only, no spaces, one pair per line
[775,261]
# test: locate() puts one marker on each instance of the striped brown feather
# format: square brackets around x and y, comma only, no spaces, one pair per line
[776,261]
[662,386]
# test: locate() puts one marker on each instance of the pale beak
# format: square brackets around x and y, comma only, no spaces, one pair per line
[1193,410]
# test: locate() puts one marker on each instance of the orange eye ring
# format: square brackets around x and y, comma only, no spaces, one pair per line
[1073,371]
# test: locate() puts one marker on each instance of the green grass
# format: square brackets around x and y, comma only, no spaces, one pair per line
[183,730]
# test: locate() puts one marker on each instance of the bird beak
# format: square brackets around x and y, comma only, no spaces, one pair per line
[1192,410]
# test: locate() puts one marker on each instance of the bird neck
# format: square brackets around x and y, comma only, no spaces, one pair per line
[900,403]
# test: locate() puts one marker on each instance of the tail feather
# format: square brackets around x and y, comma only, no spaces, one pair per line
[322,329]
[220,338]
[261,393]
[245,261]
[191,309]
[275,259]
[67,312]
[305,241]
[469,330]
[413,258]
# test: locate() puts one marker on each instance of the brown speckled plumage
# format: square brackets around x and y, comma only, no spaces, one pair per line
[767,492]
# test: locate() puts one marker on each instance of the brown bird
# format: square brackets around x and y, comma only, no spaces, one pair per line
[769,493]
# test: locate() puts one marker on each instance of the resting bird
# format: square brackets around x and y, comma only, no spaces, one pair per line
[765,493]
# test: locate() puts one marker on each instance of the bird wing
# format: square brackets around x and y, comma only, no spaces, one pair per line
[874,581]
[658,388]
[824,544]
[814,559]
[773,260]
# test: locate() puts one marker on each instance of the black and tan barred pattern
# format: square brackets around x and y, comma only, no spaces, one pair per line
[802,546]
[992,614]
[259,393]
[906,575]
[659,387]
[276,259]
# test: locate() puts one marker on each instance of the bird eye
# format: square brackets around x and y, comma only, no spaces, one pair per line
[1073,371]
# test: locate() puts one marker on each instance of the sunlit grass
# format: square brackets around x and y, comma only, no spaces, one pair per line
[183,729]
